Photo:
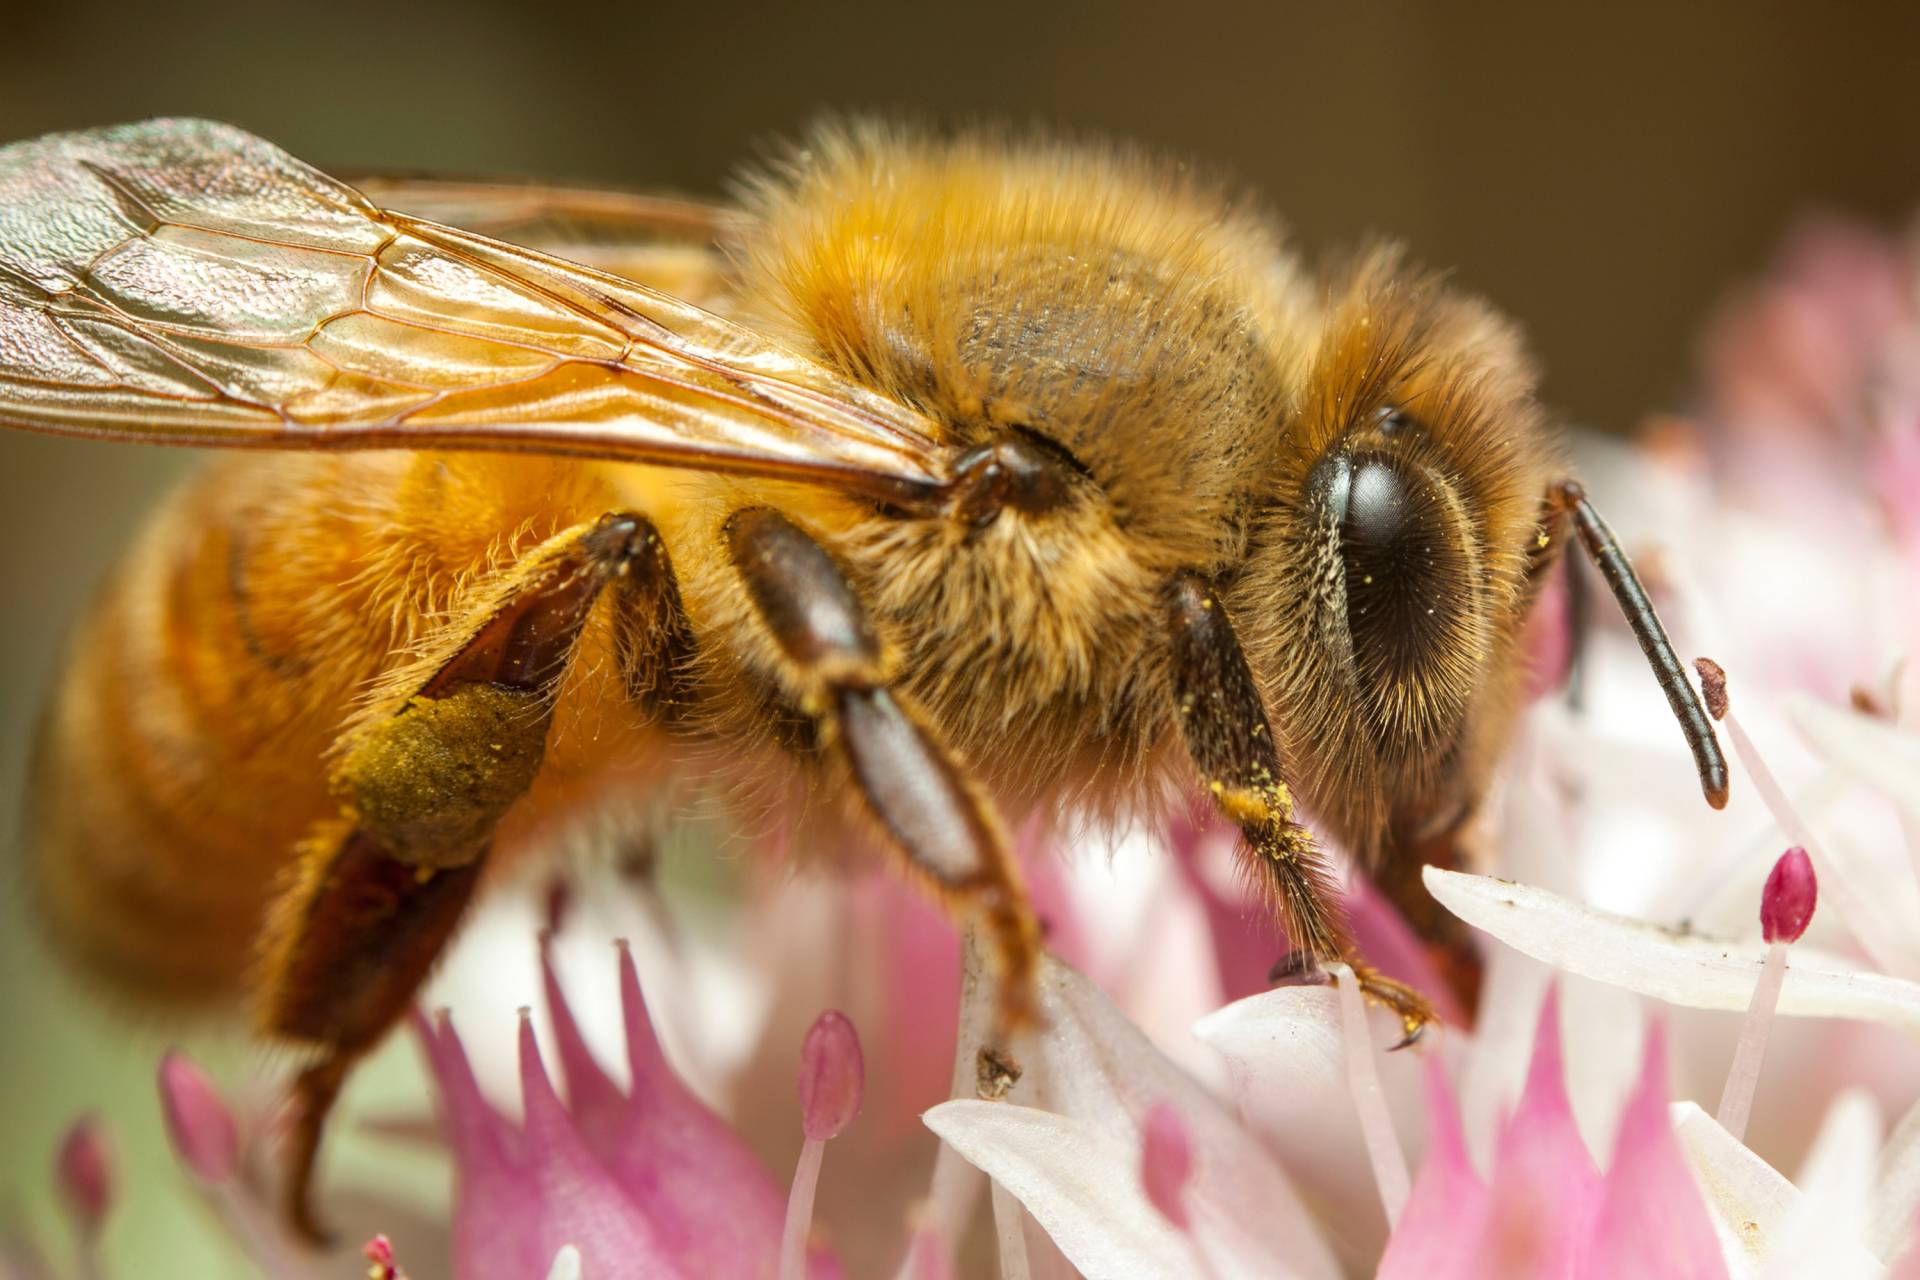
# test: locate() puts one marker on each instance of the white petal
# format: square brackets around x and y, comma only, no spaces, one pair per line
[1877,894]
[1082,1184]
[1096,1070]
[1288,1073]
[1682,969]
[566,1264]
[1881,755]
[1096,1066]
[1887,759]
[1896,1193]
[1836,1183]
[1751,1204]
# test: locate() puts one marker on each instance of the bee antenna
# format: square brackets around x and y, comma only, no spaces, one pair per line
[1614,566]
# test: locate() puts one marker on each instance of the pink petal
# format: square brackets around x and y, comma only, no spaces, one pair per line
[83,1169]
[1652,1219]
[524,1193]
[1550,636]
[716,1205]
[483,1144]
[1545,1188]
[1045,873]
[568,1197]
[914,953]
[1895,470]
[1444,1218]
[1166,1162]
[926,1257]
[1245,941]
[498,1214]
[591,1095]
[831,1076]
[198,1121]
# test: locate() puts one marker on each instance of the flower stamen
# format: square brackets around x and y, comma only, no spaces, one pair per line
[1363,1081]
[381,1264]
[1854,909]
[1010,1234]
[832,1077]
[1786,907]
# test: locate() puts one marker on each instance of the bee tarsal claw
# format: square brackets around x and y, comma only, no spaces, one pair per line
[1415,1011]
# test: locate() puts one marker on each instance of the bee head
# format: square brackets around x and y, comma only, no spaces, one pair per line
[1389,571]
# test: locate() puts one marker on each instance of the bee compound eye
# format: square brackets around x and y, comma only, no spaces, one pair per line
[1404,582]
[1373,507]
[1376,514]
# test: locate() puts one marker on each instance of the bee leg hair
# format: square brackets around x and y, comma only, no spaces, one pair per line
[931,811]
[1230,740]
[378,891]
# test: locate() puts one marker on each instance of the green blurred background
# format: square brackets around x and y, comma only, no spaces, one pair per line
[1603,173]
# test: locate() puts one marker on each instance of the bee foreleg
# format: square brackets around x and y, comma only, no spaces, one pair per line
[652,639]
[1225,726]
[378,891]
[931,811]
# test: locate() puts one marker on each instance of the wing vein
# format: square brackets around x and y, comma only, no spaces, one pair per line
[182,281]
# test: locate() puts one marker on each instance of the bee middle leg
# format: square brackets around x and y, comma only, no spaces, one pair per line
[933,813]
[1230,740]
[378,891]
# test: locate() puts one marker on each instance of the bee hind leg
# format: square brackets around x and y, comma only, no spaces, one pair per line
[931,811]
[422,783]
[1230,740]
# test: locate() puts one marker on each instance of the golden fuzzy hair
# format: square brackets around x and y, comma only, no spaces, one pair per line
[1367,732]
[1102,298]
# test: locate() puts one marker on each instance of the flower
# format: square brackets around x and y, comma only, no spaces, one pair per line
[1546,1210]
[645,1182]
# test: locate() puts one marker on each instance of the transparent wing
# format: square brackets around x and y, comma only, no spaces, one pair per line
[184,281]
[664,242]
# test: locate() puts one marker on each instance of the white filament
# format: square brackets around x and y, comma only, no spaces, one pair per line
[793,1236]
[1743,1077]
[1363,1080]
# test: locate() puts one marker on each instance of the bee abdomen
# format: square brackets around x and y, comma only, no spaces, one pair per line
[184,756]
[165,792]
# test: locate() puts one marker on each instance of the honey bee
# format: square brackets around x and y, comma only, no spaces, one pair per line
[938,477]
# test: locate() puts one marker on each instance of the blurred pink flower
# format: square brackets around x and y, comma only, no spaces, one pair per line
[647,1182]
[1547,1210]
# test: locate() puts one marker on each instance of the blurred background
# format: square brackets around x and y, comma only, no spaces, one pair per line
[1606,176]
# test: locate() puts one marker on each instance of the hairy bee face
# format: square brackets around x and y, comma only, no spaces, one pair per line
[1390,570]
